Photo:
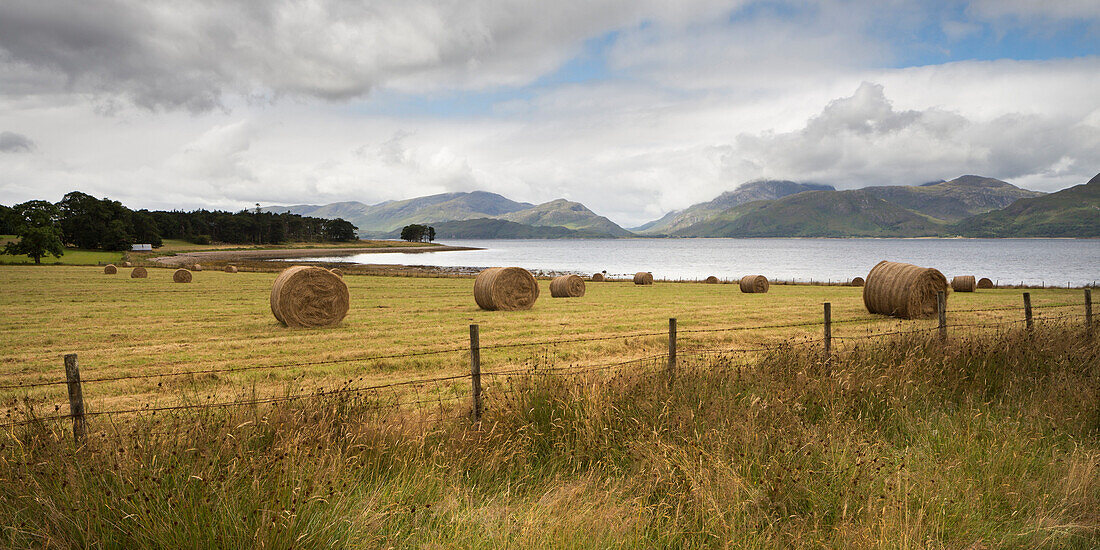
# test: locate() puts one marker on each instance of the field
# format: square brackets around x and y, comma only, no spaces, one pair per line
[72,256]
[990,441]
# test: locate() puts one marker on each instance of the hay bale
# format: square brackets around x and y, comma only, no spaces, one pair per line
[858,281]
[181,276]
[110,269]
[712,280]
[903,290]
[196,267]
[505,289]
[308,297]
[963,283]
[643,278]
[598,278]
[127,264]
[567,286]
[230,269]
[336,271]
[139,273]
[984,282]
[754,284]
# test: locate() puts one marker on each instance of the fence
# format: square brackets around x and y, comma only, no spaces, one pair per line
[408,393]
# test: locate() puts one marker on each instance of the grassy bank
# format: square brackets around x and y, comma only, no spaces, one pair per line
[989,442]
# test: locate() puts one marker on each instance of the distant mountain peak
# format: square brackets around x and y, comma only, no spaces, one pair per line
[1094,181]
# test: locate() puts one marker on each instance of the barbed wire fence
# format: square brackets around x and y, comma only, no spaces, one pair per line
[444,397]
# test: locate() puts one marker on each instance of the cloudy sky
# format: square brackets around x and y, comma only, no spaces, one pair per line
[633,107]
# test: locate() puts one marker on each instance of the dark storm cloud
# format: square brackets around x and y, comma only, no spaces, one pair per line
[11,142]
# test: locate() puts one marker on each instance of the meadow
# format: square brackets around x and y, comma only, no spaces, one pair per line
[990,440]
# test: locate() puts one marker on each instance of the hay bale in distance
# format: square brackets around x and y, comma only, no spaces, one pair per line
[643,278]
[139,273]
[505,289]
[181,276]
[712,280]
[567,286]
[110,269]
[858,281]
[196,267]
[754,284]
[984,282]
[309,297]
[336,271]
[903,290]
[127,264]
[230,269]
[598,278]
[963,283]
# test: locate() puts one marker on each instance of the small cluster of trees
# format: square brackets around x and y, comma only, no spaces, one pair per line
[418,233]
[83,221]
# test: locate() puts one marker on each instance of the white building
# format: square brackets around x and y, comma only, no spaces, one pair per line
[142,248]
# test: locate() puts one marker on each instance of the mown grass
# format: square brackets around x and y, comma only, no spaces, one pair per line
[72,256]
[992,441]
[121,326]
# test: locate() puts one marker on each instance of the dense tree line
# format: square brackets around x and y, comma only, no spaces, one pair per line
[418,233]
[83,221]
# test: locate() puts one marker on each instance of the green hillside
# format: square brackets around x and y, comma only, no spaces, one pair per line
[817,214]
[953,200]
[748,192]
[567,214]
[1073,212]
[491,228]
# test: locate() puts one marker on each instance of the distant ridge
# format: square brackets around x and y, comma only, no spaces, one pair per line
[745,193]
[951,201]
[1072,212]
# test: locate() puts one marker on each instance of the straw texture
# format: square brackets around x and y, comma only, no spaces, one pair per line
[903,290]
[858,281]
[712,280]
[963,283]
[139,273]
[567,286]
[754,284]
[505,289]
[643,278]
[984,282]
[230,269]
[598,278]
[309,297]
[110,269]
[181,276]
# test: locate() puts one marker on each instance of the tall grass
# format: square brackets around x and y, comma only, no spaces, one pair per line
[992,441]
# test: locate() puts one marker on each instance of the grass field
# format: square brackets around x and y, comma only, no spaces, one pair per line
[72,256]
[990,441]
[120,326]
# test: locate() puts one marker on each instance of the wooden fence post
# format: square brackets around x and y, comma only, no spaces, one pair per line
[941,305]
[828,328]
[76,397]
[671,349]
[1088,310]
[475,370]
[1027,310]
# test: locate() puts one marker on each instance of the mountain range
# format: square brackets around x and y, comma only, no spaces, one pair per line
[972,206]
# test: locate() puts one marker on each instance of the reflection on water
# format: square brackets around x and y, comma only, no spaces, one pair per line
[1053,262]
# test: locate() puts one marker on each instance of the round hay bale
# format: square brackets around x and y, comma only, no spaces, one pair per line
[196,267]
[858,281]
[110,269]
[712,280]
[903,290]
[567,286]
[754,284]
[505,289]
[336,271]
[984,282]
[139,273]
[308,297]
[127,264]
[598,278]
[643,278]
[230,269]
[963,283]
[181,276]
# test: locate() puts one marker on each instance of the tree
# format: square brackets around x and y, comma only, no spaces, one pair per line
[38,231]
[431,233]
[339,230]
[8,220]
[413,232]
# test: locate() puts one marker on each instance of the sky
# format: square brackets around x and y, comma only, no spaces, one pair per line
[632,107]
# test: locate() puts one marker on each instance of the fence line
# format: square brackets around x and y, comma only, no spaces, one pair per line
[78,415]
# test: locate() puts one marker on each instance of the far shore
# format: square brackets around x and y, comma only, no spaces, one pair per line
[184,258]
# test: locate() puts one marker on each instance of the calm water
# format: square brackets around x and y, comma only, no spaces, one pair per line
[1032,261]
